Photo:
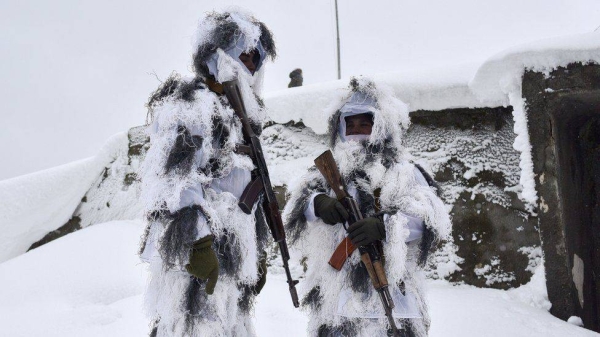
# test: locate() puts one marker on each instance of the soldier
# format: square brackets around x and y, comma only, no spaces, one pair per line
[403,216]
[206,255]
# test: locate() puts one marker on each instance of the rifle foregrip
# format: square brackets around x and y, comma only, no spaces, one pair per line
[380,272]
[366,260]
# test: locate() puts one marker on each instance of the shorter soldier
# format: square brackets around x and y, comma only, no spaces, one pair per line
[403,216]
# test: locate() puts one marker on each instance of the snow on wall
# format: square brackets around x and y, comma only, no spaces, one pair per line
[290,151]
[500,78]
[477,150]
[35,204]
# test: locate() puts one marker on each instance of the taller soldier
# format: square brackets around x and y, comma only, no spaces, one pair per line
[206,254]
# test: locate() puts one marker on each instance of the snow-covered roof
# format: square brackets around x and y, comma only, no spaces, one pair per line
[431,90]
[498,74]
[463,86]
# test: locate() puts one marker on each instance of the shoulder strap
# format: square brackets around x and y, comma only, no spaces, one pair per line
[428,178]
[427,241]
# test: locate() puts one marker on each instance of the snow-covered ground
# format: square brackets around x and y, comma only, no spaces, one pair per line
[91,283]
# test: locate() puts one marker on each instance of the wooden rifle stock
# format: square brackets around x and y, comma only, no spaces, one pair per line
[261,184]
[369,255]
[328,168]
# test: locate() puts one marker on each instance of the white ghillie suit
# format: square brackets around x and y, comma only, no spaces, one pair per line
[192,179]
[344,303]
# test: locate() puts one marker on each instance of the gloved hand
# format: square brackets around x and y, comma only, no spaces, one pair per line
[330,210]
[203,263]
[366,231]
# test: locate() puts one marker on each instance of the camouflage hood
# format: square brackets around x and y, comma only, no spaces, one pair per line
[222,37]
[390,122]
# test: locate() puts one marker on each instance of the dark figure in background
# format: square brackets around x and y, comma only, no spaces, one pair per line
[296,78]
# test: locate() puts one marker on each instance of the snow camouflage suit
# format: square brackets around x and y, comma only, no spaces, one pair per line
[192,179]
[383,181]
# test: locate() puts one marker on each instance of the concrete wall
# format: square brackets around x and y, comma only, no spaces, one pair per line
[471,155]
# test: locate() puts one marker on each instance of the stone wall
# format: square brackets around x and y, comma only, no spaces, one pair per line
[470,154]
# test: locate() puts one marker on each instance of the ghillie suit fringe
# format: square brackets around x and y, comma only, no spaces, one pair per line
[377,163]
[191,181]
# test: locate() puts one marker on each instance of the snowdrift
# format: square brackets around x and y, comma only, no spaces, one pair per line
[90,283]
[33,205]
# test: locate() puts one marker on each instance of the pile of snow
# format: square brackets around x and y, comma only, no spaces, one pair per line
[91,283]
[35,204]
[499,74]
[429,90]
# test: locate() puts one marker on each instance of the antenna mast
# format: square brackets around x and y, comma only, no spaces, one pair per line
[337,30]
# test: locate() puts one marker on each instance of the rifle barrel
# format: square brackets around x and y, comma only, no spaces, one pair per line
[270,206]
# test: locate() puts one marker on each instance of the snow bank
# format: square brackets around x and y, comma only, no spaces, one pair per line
[115,194]
[468,311]
[498,75]
[35,204]
[88,283]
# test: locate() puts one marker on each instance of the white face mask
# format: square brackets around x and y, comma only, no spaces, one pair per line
[355,138]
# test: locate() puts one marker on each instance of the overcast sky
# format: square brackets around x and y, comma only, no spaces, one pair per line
[75,72]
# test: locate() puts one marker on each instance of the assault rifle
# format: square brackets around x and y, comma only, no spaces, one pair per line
[369,254]
[261,185]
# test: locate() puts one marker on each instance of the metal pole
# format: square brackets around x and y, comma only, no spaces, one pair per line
[337,28]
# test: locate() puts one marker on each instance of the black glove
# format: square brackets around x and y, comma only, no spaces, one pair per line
[366,231]
[330,210]
[204,263]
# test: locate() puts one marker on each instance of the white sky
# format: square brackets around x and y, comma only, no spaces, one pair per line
[73,73]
